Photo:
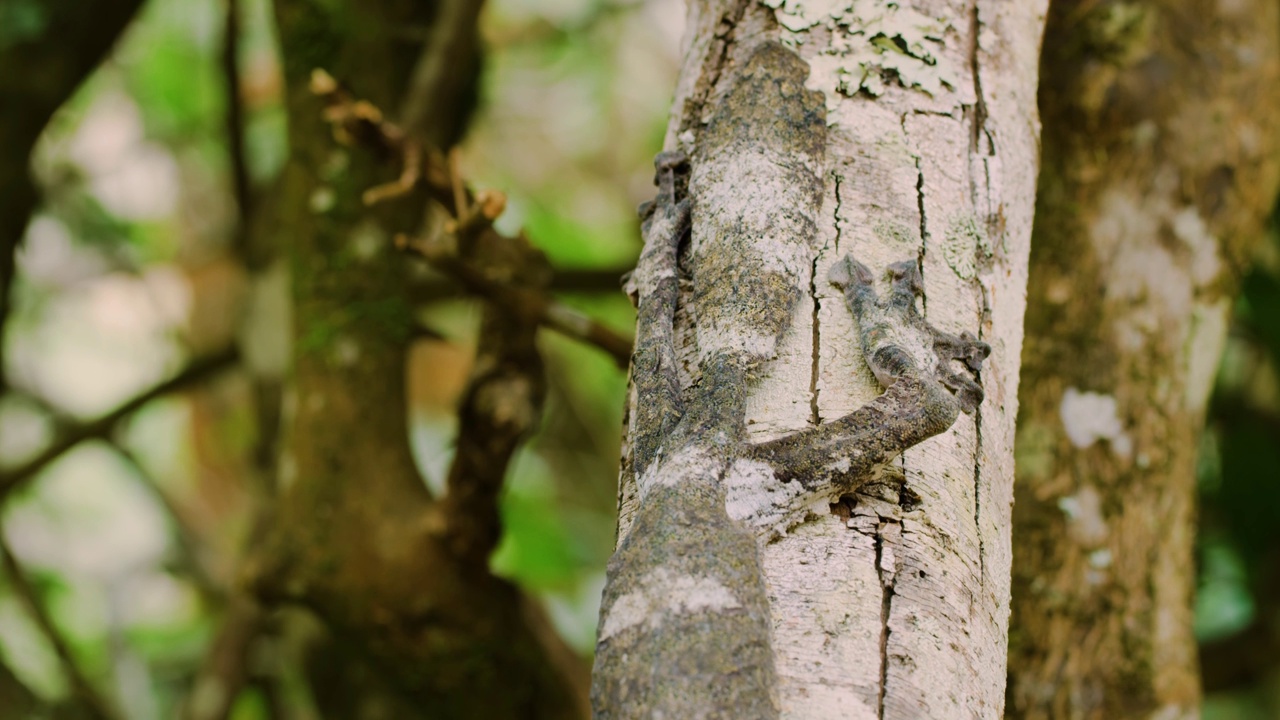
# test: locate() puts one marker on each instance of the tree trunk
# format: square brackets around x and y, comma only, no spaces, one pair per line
[775,558]
[413,623]
[1158,172]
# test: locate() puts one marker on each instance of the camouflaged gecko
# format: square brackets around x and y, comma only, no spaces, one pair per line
[685,627]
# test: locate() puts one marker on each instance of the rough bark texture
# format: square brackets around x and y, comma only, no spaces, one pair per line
[1158,171]
[417,626]
[891,601]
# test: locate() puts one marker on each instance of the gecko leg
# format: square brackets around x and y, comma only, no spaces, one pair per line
[924,393]
[656,288]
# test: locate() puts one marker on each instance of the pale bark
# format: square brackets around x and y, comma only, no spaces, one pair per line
[893,603]
[1159,170]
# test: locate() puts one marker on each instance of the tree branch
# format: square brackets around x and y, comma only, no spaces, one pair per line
[188,543]
[444,76]
[225,669]
[196,372]
[93,703]
[242,192]
[587,281]
[360,122]
[38,72]
[533,305]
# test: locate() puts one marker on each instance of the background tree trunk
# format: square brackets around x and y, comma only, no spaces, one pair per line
[1158,172]
[891,602]
[412,623]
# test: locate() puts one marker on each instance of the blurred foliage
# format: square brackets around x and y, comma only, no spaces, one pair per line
[1238,602]
[126,273]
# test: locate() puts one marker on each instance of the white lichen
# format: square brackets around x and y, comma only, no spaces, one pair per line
[1085,521]
[1089,417]
[346,352]
[753,495]
[264,335]
[876,42]
[288,471]
[690,462]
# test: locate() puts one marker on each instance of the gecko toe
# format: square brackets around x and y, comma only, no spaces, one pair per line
[906,277]
[847,270]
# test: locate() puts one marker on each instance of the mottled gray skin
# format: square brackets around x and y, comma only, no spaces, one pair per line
[698,664]
[917,404]
[714,660]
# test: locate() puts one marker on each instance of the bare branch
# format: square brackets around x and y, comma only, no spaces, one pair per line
[225,669]
[198,371]
[472,213]
[594,281]
[187,541]
[241,189]
[69,46]
[94,704]
[532,304]
[444,75]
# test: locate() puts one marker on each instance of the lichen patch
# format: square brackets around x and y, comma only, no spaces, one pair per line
[877,42]
[1089,417]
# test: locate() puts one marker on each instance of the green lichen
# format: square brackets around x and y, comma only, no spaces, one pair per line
[965,246]
[878,43]
[897,233]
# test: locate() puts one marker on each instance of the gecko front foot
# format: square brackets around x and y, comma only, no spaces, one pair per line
[896,340]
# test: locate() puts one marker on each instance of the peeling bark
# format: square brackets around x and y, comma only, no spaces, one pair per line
[1159,169]
[891,601]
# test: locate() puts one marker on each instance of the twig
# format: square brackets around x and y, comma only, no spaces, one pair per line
[471,214]
[93,703]
[101,427]
[241,189]
[461,209]
[530,304]
[444,75]
[225,669]
[188,544]
[603,281]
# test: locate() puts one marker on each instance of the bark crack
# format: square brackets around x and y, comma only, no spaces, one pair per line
[977,464]
[887,577]
[924,233]
[817,344]
[814,415]
[977,497]
[837,177]
[980,104]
